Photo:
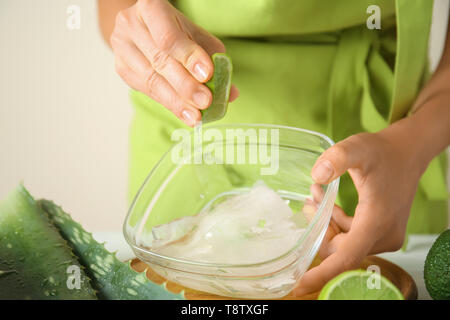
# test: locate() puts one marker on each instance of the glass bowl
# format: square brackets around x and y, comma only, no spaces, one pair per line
[199,175]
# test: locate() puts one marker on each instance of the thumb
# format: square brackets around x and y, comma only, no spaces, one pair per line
[335,161]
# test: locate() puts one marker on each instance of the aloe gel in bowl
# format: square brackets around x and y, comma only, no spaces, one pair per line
[233,221]
[247,226]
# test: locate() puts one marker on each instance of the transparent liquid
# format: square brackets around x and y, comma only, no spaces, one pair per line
[254,238]
[244,226]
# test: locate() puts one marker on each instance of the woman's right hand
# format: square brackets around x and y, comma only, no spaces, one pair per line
[160,53]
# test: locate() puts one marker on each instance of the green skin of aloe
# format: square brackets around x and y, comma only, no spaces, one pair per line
[220,86]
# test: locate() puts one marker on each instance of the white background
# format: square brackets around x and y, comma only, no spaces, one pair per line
[64,114]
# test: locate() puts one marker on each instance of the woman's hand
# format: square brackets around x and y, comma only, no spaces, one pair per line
[385,168]
[162,54]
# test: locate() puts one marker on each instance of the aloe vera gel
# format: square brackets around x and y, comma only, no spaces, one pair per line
[243,227]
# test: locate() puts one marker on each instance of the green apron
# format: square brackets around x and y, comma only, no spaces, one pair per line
[313,65]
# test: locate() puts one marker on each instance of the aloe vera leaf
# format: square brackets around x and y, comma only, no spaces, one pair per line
[220,86]
[34,258]
[115,280]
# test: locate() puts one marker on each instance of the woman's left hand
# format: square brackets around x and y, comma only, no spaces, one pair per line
[385,168]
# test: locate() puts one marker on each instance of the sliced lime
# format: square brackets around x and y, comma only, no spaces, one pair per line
[220,85]
[360,285]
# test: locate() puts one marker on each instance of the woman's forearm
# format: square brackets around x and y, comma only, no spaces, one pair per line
[426,133]
[427,130]
[107,11]
[431,123]
[431,112]
[422,136]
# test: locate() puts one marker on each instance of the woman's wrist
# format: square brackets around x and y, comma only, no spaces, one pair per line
[431,124]
[419,138]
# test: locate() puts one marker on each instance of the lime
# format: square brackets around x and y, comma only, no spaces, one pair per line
[360,285]
[437,268]
[220,85]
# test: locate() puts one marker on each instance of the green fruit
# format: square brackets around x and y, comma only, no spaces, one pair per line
[34,258]
[113,279]
[354,285]
[437,268]
[220,86]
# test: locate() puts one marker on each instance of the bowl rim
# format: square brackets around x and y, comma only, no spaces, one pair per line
[332,187]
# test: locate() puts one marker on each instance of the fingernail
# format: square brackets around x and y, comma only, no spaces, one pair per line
[188,117]
[234,94]
[322,172]
[201,100]
[200,72]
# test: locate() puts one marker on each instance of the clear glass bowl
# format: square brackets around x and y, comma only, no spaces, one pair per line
[232,159]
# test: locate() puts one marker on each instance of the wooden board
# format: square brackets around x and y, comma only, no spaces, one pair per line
[394,273]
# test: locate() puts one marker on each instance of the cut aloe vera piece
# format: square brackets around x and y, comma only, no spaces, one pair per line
[220,86]
[115,280]
[35,261]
